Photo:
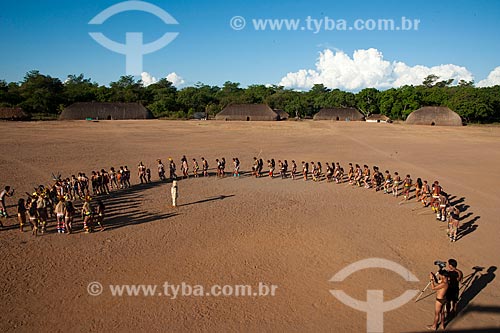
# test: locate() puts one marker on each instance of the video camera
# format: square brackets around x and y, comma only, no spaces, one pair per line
[441,264]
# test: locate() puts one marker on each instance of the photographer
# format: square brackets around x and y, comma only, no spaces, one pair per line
[439,284]
[455,276]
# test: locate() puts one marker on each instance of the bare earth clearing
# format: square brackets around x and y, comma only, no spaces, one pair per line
[293,234]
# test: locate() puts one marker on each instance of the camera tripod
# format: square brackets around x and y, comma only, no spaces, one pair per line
[467,280]
[425,288]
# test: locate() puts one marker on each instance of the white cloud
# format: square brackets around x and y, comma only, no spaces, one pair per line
[148,79]
[176,80]
[493,79]
[367,69]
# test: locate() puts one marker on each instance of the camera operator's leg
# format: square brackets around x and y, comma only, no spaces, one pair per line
[438,309]
[442,314]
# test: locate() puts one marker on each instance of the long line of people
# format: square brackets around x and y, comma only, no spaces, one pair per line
[56,201]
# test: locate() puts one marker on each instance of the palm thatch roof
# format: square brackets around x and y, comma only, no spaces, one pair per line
[434,115]
[378,118]
[282,114]
[13,114]
[340,114]
[105,111]
[249,112]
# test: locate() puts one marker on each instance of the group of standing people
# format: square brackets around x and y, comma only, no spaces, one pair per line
[362,176]
[46,204]
[56,201]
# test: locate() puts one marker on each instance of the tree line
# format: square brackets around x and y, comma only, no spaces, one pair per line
[42,95]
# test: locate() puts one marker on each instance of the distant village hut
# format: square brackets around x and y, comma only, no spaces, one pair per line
[247,112]
[282,114]
[339,114]
[13,114]
[434,115]
[378,118]
[105,111]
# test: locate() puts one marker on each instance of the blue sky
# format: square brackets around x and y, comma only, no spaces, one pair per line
[52,36]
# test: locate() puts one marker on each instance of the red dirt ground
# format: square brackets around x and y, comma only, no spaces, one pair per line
[292,234]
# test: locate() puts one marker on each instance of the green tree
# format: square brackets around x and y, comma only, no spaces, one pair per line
[126,89]
[4,92]
[430,80]
[463,83]
[257,93]
[162,97]
[79,89]
[342,99]
[229,93]
[472,104]
[40,93]
[367,101]
[317,97]
[196,98]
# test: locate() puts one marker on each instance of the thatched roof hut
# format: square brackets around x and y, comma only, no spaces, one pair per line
[282,114]
[434,115]
[13,114]
[105,111]
[378,118]
[340,114]
[248,112]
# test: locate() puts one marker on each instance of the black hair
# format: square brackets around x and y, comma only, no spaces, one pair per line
[443,272]
[453,263]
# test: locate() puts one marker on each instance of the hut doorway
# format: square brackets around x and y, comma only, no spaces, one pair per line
[337,119]
[248,118]
[109,117]
[433,123]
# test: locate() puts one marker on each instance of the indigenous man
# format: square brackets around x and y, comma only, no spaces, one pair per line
[305,169]
[161,170]
[236,164]
[172,169]
[443,203]
[407,183]
[436,191]
[426,192]
[395,185]
[440,285]
[60,214]
[358,175]
[294,169]
[350,174]
[255,166]
[196,167]
[87,214]
[454,223]
[204,164]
